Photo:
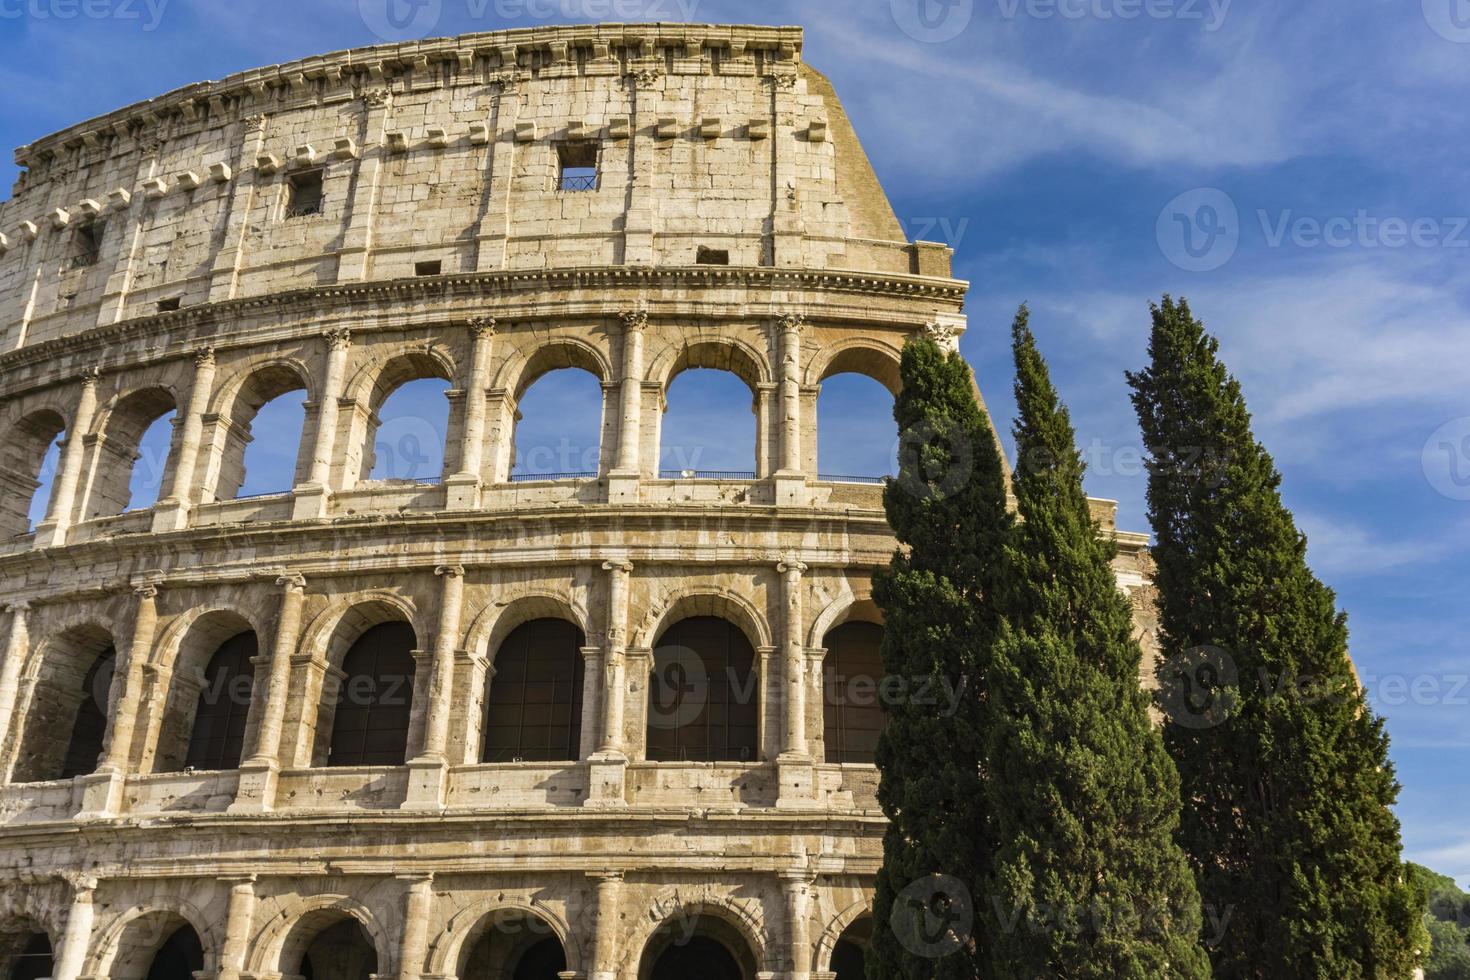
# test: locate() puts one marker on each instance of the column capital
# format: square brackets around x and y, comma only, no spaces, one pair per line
[605,877]
[945,330]
[482,326]
[82,885]
[204,357]
[291,581]
[449,571]
[416,877]
[791,322]
[634,320]
[18,608]
[791,567]
[240,880]
[90,375]
[617,565]
[147,591]
[338,338]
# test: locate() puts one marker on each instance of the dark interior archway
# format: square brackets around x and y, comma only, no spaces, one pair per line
[703,702]
[374,699]
[84,747]
[849,956]
[218,738]
[29,957]
[341,951]
[701,946]
[515,945]
[534,709]
[179,958]
[852,715]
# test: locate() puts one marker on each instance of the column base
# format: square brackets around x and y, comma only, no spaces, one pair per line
[796,775]
[256,792]
[790,489]
[607,780]
[310,502]
[428,783]
[462,492]
[622,487]
[102,794]
[170,515]
[49,534]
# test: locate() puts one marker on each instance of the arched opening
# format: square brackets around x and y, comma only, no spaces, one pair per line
[374,698]
[558,427]
[710,417]
[857,437]
[32,451]
[132,454]
[849,955]
[700,946]
[852,713]
[271,403]
[66,715]
[407,422]
[25,955]
[702,694]
[329,944]
[179,958]
[514,945]
[534,709]
[217,740]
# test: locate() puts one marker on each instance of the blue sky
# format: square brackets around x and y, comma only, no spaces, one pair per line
[1314,153]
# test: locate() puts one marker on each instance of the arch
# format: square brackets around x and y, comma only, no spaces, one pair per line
[717,353]
[188,654]
[533,709]
[566,435]
[704,694]
[372,702]
[670,910]
[237,405]
[120,430]
[334,629]
[127,946]
[27,443]
[381,374]
[855,432]
[369,390]
[69,703]
[847,606]
[839,925]
[499,619]
[524,366]
[26,948]
[852,712]
[858,355]
[451,950]
[283,942]
[675,605]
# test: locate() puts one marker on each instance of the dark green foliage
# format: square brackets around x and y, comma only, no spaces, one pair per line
[1087,881]
[1448,920]
[1287,818]
[948,507]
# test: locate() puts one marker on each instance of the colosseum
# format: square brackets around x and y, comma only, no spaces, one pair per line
[418,728]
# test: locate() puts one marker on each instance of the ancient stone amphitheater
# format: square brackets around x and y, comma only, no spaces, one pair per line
[605,725]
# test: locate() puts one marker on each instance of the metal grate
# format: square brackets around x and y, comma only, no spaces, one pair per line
[836,478]
[579,182]
[706,475]
[536,477]
[303,210]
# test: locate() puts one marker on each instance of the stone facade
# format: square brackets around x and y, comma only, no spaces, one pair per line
[174,256]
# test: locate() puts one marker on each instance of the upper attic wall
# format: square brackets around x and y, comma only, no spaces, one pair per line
[445,157]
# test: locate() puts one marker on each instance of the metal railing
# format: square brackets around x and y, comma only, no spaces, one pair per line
[83,259]
[706,475]
[844,478]
[303,210]
[538,477]
[579,182]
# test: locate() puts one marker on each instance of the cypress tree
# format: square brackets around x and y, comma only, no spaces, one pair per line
[948,509]
[1285,772]
[1087,880]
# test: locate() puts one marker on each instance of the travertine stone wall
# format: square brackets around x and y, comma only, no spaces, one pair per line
[446,151]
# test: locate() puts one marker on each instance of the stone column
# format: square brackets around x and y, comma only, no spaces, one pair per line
[258,772]
[623,480]
[414,943]
[428,772]
[605,939]
[62,509]
[591,700]
[311,498]
[118,745]
[16,646]
[237,926]
[354,258]
[464,486]
[795,762]
[789,479]
[794,886]
[609,763]
[73,952]
[172,512]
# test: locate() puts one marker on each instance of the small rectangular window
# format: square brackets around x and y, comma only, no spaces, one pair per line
[578,166]
[428,268]
[712,256]
[86,245]
[306,194]
[168,305]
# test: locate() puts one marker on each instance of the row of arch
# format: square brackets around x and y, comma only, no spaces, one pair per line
[335,938]
[704,697]
[260,425]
